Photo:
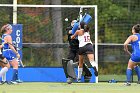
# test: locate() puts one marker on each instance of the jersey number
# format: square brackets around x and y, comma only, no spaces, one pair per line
[87,38]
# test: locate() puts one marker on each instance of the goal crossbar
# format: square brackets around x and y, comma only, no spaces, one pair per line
[68,6]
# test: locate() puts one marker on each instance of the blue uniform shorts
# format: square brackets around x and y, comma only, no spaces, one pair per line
[9,54]
[135,58]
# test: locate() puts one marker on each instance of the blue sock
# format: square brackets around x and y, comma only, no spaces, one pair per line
[15,74]
[137,69]
[128,74]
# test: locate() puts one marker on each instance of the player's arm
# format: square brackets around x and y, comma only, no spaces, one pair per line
[75,34]
[9,41]
[1,46]
[129,39]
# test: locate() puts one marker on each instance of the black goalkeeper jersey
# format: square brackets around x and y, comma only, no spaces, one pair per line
[74,43]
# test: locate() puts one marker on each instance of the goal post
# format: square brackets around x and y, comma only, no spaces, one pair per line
[95,19]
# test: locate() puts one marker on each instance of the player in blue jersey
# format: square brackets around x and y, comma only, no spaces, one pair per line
[134,40]
[4,64]
[9,51]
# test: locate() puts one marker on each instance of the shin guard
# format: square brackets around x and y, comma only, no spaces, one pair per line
[68,68]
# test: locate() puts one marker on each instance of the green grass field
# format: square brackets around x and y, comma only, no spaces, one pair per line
[43,87]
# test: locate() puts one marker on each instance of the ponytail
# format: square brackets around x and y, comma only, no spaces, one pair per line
[84,26]
[137,28]
[5,28]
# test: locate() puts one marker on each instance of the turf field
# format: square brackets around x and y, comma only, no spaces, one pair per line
[41,87]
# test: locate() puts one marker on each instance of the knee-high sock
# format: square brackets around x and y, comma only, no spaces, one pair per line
[15,74]
[128,74]
[80,70]
[3,70]
[137,69]
[4,77]
[94,65]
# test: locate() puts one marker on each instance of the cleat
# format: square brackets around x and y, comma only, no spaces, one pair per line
[13,82]
[19,81]
[78,80]
[138,82]
[69,80]
[2,82]
[127,84]
[8,82]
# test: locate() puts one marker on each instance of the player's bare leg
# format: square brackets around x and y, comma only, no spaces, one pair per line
[80,68]
[93,63]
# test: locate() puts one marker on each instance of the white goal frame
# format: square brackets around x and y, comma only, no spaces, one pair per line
[15,6]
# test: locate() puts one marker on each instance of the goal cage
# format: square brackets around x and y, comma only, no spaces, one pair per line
[44,30]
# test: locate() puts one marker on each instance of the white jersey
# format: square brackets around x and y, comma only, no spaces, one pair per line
[84,39]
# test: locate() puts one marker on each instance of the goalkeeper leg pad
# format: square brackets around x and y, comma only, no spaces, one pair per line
[68,68]
[64,64]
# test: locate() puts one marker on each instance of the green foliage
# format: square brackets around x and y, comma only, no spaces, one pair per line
[118,68]
[115,19]
[109,14]
[31,2]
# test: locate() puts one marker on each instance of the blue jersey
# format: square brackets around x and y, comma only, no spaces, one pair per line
[136,49]
[7,52]
[6,46]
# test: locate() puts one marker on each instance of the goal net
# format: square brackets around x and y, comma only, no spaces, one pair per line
[44,30]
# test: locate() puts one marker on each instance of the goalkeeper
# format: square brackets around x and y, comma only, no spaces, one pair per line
[68,64]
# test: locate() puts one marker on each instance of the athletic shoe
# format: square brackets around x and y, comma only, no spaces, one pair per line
[69,80]
[127,84]
[8,82]
[138,82]
[19,81]
[13,82]
[78,80]
[2,82]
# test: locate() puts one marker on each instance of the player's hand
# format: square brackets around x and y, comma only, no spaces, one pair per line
[18,56]
[72,37]
[3,44]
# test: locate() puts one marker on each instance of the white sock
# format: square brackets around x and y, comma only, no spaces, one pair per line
[3,70]
[80,70]
[4,77]
[93,63]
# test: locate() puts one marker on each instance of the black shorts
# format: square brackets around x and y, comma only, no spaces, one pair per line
[73,54]
[1,56]
[87,49]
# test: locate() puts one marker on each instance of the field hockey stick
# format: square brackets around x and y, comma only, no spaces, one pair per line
[12,45]
[21,63]
[3,61]
[80,14]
